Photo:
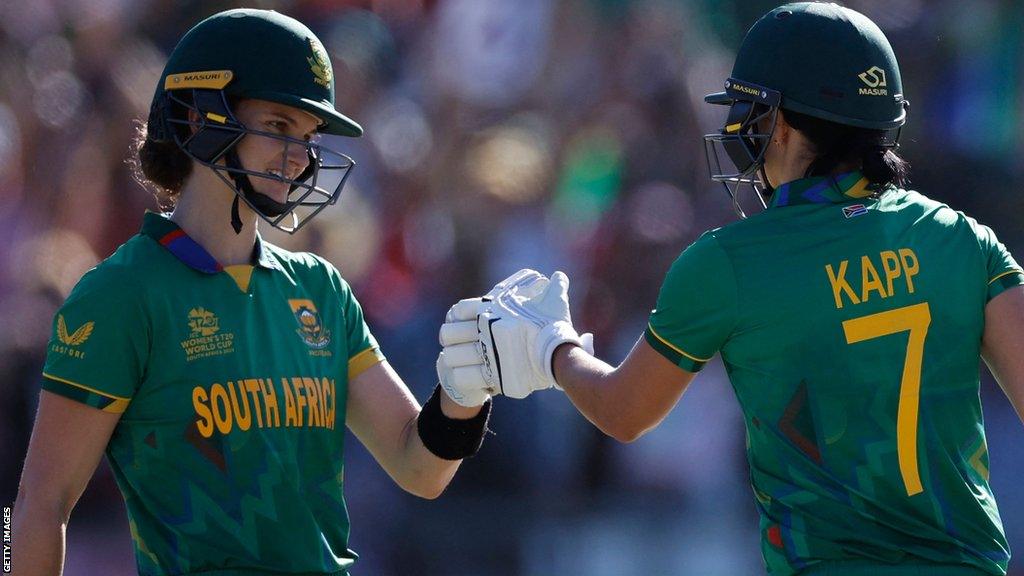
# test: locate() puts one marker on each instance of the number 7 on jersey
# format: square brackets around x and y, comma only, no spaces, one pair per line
[916,319]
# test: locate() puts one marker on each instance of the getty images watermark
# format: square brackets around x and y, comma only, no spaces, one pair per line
[7,539]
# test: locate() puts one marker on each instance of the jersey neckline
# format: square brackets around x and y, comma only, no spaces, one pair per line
[168,234]
[831,189]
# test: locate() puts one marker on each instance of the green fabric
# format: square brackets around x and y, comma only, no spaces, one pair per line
[824,190]
[693,319]
[229,451]
[816,305]
[100,339]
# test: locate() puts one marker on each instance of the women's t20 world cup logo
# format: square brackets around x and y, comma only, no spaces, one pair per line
[311,327]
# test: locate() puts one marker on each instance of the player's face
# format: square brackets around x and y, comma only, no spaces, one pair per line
[272,156]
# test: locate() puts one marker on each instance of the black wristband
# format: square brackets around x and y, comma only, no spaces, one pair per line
[451,438]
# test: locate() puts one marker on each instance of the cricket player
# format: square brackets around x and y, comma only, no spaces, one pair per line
[216,370]
[850,315]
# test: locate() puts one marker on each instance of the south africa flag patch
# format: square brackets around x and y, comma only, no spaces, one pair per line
[854,210]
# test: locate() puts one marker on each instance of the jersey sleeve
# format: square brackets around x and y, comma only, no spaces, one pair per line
[99,345]
[363,350]
[696,309]
[1003,271]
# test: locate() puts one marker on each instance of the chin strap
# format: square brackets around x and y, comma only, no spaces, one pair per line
[243,184]
[769,190]
[267,206]
[236,220]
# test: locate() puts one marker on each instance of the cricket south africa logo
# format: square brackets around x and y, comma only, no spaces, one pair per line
[874,78]
[311,326]
[319,64]
[205,338]
[70,340]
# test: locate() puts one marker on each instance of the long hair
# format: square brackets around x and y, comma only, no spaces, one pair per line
[838,144]
[160,167]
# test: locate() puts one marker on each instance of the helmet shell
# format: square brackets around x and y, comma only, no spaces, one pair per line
[257,54]
[827,61]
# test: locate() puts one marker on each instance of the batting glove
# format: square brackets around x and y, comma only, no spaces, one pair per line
[460,364]
[519,334]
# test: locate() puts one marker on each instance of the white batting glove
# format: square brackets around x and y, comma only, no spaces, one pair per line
[519,334]
[460,365]
[460,376]
[528,283]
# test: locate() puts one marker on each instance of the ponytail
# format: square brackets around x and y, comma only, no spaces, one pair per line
[160,167]
[881,164]
[873,152]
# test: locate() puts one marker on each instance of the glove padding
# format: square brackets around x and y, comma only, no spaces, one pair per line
[460,364]
[519,334]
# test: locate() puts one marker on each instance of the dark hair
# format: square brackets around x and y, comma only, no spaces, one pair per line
[836,144]
[160,167]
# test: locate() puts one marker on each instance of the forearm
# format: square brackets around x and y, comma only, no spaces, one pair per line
[595,389]
[626,401]
[423,473]
[37,534]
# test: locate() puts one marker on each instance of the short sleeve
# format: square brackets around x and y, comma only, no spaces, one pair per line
[1003,271]
[363,350]
[99,345]
[696,310]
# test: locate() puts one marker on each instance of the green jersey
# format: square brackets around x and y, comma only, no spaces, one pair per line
[232,384]
[850,326]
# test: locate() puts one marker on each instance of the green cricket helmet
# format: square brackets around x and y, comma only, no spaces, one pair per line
[253,54]
[813,58]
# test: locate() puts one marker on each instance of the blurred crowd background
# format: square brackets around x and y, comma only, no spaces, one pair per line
[499,134]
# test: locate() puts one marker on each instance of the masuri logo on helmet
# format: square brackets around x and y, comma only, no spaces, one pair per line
[875,79]
[257,54]
[812,58]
